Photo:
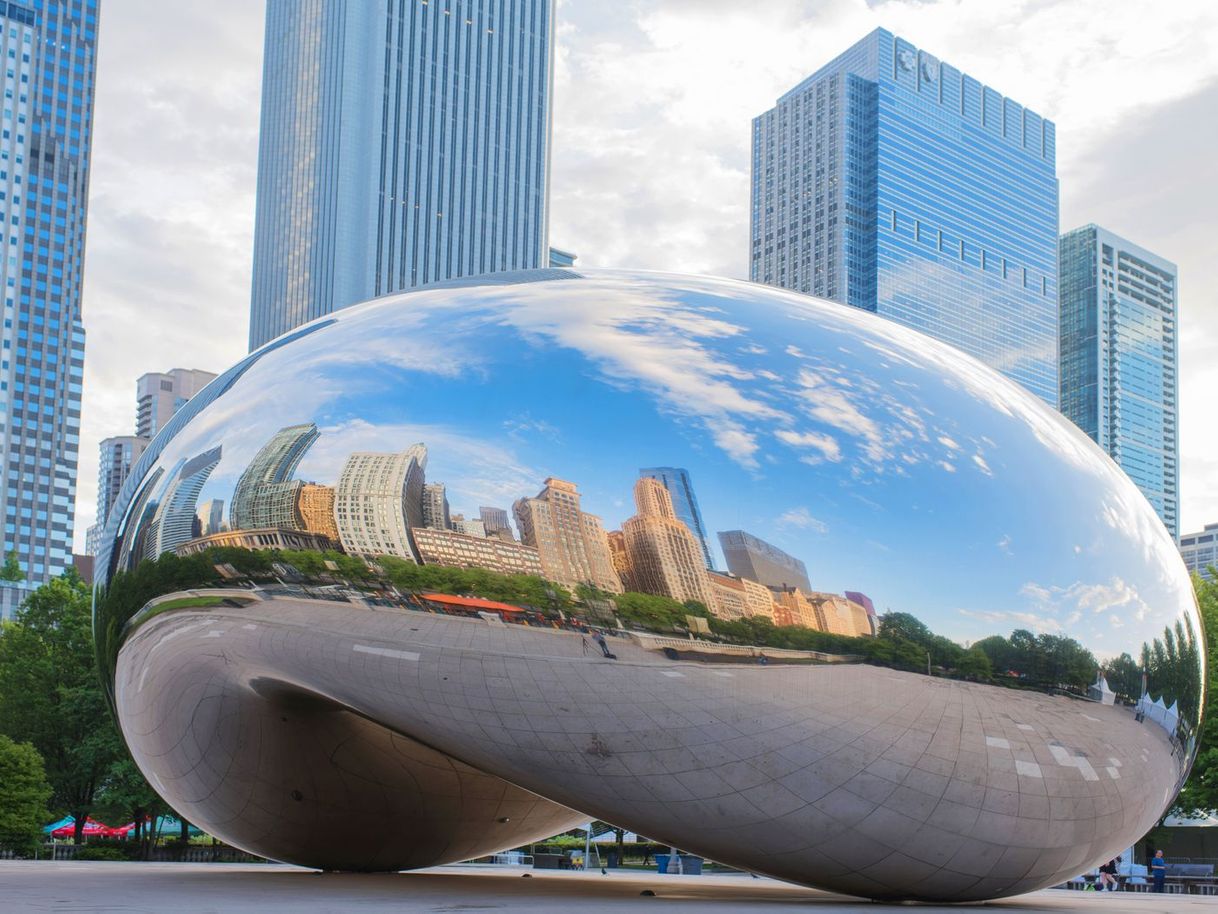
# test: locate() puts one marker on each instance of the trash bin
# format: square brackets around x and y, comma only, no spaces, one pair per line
[690,866]
[612,861]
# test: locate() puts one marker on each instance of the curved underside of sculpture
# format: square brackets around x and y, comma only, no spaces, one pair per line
[345,737]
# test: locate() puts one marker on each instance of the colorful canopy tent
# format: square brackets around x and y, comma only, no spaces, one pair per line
[92,829]
[66,820]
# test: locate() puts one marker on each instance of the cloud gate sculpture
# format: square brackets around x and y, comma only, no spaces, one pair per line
[761,576]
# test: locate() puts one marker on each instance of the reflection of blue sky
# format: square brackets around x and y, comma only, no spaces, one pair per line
[889,463]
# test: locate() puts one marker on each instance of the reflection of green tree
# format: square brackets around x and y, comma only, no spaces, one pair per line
[11,570]
[1124,677]
[1173,668]
[1045,661]
[519,589]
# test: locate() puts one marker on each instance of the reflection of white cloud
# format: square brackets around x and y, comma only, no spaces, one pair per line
[1005,544]
[477,471]
[524,426]
[1094,598]
[827,445]
[801,518]
[649,335]
[982,465]
[1037,623]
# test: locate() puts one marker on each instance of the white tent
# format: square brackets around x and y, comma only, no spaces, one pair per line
[1100,691]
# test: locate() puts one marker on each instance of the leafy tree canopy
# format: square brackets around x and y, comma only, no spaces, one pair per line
[24,792]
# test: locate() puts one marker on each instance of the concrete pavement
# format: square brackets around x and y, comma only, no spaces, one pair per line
[135,888]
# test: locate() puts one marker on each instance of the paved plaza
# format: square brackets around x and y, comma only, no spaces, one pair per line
[134,888]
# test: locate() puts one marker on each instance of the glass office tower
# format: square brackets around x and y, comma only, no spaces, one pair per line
[401,143]
[684,503]
[893,182]
[1118,358]
[49,53]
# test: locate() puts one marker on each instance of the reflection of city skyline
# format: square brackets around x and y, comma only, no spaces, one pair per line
[383,504]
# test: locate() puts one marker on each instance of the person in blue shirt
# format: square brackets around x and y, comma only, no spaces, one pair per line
[1158,870]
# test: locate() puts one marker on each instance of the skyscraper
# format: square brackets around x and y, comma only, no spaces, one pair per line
[378,499]
[266,495]
[684,503]
[176,520]
[50,51]
[401,143]
[572,546]
[116,457]
[161,394]
[435,507]
[495,520]
[895,183]
[1118,358]
[1200,551]
[664,556]
[751,557]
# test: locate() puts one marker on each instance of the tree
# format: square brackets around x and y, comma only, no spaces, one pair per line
[24,792]
[126,796]
[51,696]
[1200,793]
[11,571]
[974,664]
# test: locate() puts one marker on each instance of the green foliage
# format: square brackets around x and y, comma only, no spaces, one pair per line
[1124,678]
[50,695]
[1200,793]
[903,630]
[125,796]
[518,589]
[101,852]
[654,613]
[1046,661]
[1172,667]
[974,664]
[24,792]
[11,570]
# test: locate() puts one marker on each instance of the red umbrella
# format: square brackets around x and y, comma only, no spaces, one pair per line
[92,829]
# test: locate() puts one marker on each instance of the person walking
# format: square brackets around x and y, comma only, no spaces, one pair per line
[1108,876]
[1158,870]
[599,638]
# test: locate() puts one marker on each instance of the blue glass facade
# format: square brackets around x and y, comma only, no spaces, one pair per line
[49,55]
[401,143]
[684,503]
[1119,378]
[893,182]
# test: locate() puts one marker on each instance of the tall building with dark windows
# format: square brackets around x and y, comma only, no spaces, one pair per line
[158,395]
[116,457]
[49,54]
[401,143]
[684,502]
[1200,551]
[752,557]
[1119,375]
[893,182]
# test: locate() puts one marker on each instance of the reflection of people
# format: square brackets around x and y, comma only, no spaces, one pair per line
[1158,870]
[1108,876]
[599,638]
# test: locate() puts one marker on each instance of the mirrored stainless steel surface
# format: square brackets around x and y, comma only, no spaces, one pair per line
[758,575]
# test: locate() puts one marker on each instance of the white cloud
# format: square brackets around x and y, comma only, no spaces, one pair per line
[653,104]
[802,519]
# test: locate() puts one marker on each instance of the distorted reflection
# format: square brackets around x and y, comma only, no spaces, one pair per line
[703,471]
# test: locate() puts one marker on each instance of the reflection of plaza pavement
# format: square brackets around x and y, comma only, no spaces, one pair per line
[92,888]
[854,777]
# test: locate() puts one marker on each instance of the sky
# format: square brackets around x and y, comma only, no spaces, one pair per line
[650,162]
